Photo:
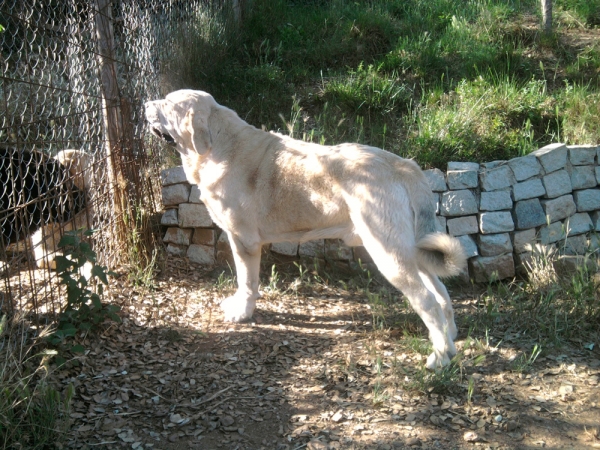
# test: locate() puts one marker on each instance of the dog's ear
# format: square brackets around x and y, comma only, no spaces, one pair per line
[197,127]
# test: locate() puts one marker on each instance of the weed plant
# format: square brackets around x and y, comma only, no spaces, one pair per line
[548,309]
[434,80]
[33,413]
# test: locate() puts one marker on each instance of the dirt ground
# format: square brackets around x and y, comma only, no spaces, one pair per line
[318,367]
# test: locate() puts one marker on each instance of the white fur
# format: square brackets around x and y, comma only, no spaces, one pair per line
[45,240]
[263,187]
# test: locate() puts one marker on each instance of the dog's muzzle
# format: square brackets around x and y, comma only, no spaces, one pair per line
[165,136]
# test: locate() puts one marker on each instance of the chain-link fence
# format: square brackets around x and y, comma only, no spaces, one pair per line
[75,74]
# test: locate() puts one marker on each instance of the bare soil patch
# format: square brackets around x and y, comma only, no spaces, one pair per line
[319,367]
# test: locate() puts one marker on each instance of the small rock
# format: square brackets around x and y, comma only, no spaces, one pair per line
[471,436]
[498,418]
[565,389]
[227,421]
[511,425]
[337,417]
[413,441]
[176,418]
[315,444]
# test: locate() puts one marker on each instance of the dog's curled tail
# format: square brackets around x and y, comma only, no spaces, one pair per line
[441,254]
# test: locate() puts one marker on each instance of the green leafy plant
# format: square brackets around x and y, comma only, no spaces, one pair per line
[84,280]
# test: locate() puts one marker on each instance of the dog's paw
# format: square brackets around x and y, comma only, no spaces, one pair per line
[435,361]
[236,309]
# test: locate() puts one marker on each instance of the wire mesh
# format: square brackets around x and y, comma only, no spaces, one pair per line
[75,75]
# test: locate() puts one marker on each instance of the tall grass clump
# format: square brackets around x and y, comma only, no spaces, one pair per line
[489,118]
[33,413]
[556,303]
[580,12]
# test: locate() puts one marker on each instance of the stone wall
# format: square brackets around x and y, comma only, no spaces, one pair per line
[497,210]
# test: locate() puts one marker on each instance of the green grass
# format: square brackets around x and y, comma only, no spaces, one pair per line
[33,413]
[434,80]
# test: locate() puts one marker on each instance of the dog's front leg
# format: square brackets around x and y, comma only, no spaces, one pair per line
[241,305]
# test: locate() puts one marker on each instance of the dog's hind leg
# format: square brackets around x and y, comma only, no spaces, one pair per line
[405,277]
[394,253]
[241,305]
[434,285]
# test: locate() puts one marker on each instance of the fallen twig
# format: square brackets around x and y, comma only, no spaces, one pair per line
[216,394]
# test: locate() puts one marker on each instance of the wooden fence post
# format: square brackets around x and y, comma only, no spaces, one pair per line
[115,133]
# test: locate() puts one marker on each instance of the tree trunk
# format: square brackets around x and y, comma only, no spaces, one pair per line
[547,16]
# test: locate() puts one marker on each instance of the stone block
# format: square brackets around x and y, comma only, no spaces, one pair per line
[568,265]
[176,250]
[597,170]
[224,255]
[460,226]
[312,249]
[580,155]
[436,180]
[178,236]
[201,254]
[496,222]
[361,254]
[523,241]
[523,262]
[596,220]
[441,224]
[559,208]
[194,215]
[458,203]
[194,195]
[204,236]
[552,157]
[525,167]
[174,175]
[175,194]
[337,250]
[552,233]
[494,244]
[528,189]
[583,177]
[469,245]
[493,164]
[453,165]
[169,218]
[495,201]
[499,177]
[557,183]
[528,214]
[575,245]
[285,248]
[462,179]
[492,268]
[578,224]
[587,200]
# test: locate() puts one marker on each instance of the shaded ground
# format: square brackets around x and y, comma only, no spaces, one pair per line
[318,368]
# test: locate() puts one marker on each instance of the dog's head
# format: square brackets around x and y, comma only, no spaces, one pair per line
[79,165]
[181,120]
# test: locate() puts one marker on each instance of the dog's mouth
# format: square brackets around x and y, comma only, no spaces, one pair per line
[165,136]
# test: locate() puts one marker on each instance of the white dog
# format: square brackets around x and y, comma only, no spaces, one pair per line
[45,240]
[262,187]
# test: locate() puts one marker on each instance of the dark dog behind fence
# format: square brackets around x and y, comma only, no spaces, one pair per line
[36,190]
